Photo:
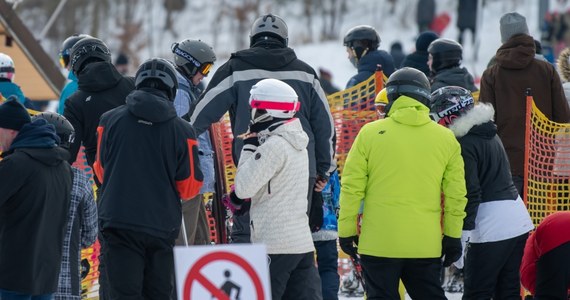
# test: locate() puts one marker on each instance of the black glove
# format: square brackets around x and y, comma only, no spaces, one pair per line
[316,212]
[241,205]
[451,250]
[349,245]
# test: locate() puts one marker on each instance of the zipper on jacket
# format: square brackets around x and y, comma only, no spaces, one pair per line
[269,187]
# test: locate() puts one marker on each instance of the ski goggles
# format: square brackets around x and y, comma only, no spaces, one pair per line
[205,68]
[62,59]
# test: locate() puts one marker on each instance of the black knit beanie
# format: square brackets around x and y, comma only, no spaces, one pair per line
[13,115]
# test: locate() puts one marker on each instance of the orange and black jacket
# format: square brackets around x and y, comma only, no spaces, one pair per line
[147,160]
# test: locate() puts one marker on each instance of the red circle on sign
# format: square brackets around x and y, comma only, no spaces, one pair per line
[195,275]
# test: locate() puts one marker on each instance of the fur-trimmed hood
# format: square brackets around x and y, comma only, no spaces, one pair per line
[564,65]
[478,115]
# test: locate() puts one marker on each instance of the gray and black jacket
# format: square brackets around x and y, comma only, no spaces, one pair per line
[229,91]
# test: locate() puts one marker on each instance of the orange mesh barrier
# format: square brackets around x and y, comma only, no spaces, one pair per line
[547,164]
[351,109]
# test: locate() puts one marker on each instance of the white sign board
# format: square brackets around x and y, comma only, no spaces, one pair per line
[223,272]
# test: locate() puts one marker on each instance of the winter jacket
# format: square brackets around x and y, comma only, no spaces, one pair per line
[148,160]
[274,175]
[81,232]
[467,14]
[367,66]
[552,232]
[455,76]
[8,88]
[33,210]
[101,88]
[399,166]
[229,91]
[417,60]
[186,98]
[490,188]
[425,12]
[504,85]
[68,90]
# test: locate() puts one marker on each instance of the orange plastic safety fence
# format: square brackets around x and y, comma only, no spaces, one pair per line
[547,165]
[222,133]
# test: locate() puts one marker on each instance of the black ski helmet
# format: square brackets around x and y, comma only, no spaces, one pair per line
[409,82]
[192,56]
[157,73]
[269,25]
[63,127]
[362,38]
[65,51]
[86,50]
[450,102]
[446,53]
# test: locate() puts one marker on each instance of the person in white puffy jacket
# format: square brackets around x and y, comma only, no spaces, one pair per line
[272,171]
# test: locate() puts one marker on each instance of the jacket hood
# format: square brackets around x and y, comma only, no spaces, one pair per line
[456,76]
[38,134]
[98,76]
[369,61]
[409,111]
[481,114]
[270,59]
[291,130]
[150,105]
[517,53]
[563,64]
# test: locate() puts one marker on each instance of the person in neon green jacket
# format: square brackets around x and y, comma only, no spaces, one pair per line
[399,166]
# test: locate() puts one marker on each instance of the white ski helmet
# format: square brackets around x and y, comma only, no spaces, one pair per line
[272,98]
[7,69]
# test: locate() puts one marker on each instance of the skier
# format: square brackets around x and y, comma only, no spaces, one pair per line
[403,194]
[64,55]
[419,58]
[361,44]
[545,268]
[497,221]
[193,60]
[272,172]
[269,57]
[140,215]
[444,62]
[81,228]
[34,199]
[7,74]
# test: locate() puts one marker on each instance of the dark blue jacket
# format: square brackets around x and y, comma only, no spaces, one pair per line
[367,66]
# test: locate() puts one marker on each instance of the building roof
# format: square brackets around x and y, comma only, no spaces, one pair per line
[36,72]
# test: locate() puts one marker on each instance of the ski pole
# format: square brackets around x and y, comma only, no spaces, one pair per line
[184,231]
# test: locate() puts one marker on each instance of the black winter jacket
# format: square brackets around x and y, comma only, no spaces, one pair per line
[455,76]
[228,91]
[487,170]
[101,88]
[35,193]
[148,160]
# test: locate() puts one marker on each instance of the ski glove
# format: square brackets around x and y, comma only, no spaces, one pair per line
[349,245]
[465,237]
[316,212]
[236,205]
[451,250]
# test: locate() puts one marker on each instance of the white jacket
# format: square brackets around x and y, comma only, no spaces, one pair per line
[275,176]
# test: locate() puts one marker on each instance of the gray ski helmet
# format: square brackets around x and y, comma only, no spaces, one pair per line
[87,49]
[192,56]
[362,33]
[409,82]
[66,46]
[450,102]
[269,25]
[446,53]
[63,127]
[157,73]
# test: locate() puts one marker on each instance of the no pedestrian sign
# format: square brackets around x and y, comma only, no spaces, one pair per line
[223,272]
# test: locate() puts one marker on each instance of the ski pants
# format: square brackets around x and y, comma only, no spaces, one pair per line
[419,275]
[240,232]
[492,269]
[294,277]
[327,262]
[196,222]
[553,274]
[138,265]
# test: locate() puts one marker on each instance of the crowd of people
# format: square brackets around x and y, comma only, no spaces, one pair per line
[437,180]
